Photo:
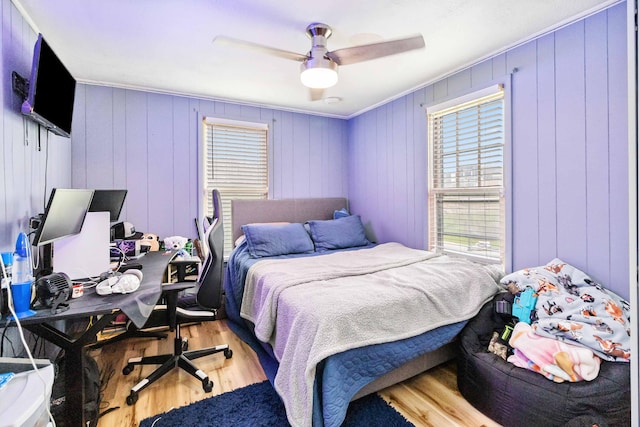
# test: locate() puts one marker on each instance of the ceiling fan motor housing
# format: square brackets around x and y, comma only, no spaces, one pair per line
[318,71]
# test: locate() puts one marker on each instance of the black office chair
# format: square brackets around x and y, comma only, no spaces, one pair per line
[186,303]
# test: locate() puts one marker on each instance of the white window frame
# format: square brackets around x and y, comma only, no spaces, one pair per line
[227,192]
[504,193]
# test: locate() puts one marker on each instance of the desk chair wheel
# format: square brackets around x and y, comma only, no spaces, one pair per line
[228,353]
[126,371]
[132,398]
[185,344]
[207,385]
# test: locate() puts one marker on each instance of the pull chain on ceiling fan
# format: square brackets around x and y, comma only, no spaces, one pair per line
[319,68]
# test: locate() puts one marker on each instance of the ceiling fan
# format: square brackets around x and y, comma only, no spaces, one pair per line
[319,69]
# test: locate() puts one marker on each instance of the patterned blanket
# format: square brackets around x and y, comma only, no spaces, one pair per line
[556,360]
[572,307]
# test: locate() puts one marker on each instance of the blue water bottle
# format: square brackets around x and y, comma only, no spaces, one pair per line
[22,277]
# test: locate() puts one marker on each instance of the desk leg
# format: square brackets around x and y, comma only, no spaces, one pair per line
[74,365]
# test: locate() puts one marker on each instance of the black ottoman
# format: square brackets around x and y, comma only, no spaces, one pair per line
[514,396]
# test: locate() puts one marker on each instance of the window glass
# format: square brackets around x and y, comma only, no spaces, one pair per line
[466,191]
[236,163]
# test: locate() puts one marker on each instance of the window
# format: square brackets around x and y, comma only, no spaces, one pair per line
[236,163]
[466,197]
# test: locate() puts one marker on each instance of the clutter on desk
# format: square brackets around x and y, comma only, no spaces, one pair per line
[175,242]
[124,283]
[78,290]
[128,248]
[184,247]
[129,265]
[151,241]
[22,277]
[124,230]
[53,290]
[129,243]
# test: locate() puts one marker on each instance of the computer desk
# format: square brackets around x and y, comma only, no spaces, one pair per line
[137,305]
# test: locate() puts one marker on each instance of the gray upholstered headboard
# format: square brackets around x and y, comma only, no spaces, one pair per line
[284,210]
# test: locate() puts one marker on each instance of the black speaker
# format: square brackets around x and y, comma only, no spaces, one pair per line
[53,290]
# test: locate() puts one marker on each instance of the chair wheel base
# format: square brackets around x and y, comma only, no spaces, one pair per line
[127,370]
[132,398]
[207,385]
[228,353]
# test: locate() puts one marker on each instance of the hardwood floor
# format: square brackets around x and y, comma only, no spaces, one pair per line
[429,399]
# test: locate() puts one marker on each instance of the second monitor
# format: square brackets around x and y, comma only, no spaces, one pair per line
[108,201]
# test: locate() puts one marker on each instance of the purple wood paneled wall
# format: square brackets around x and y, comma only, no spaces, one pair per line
[28,173]
[149,143]
[569,151]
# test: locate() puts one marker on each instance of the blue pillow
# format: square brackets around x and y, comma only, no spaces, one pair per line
[341,213]
[346,232]
[265,240]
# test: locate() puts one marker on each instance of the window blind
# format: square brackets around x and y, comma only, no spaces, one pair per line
[236,163]
[466,188]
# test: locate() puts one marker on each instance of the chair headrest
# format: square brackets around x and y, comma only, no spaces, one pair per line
[217,209]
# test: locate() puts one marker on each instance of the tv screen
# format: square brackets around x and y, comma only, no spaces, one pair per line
[52,91]
[108,201]
[64,215]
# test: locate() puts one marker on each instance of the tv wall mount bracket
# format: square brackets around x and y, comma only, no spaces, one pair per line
[20,85]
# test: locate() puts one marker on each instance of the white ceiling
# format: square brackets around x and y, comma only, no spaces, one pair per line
[166,45]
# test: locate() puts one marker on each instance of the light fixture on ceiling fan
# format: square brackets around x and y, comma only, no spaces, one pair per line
[319,69]
[319,73]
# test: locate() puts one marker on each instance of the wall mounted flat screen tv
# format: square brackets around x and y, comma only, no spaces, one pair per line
[64,215]
[52,91]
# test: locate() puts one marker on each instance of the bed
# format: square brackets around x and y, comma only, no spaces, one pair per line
[338,320]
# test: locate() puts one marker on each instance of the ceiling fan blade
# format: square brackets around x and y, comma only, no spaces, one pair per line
[316,94]
[351,55]
[230,41]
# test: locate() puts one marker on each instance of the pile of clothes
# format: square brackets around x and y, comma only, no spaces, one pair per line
[574,323]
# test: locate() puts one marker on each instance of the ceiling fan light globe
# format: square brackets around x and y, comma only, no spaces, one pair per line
[319,74]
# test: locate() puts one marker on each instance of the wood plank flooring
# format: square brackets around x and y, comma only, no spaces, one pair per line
[429,399]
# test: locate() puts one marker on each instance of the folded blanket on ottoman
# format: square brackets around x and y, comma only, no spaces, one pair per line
[556,360]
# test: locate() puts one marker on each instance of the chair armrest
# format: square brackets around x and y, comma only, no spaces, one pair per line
[177,287]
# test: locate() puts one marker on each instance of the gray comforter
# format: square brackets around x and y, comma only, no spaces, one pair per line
[311,308]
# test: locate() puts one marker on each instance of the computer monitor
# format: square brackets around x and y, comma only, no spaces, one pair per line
[108,201]
[64,215]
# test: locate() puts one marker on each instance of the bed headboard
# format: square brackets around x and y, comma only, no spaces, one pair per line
[284,210]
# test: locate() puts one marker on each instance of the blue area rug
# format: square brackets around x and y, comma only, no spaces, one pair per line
[259,405]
